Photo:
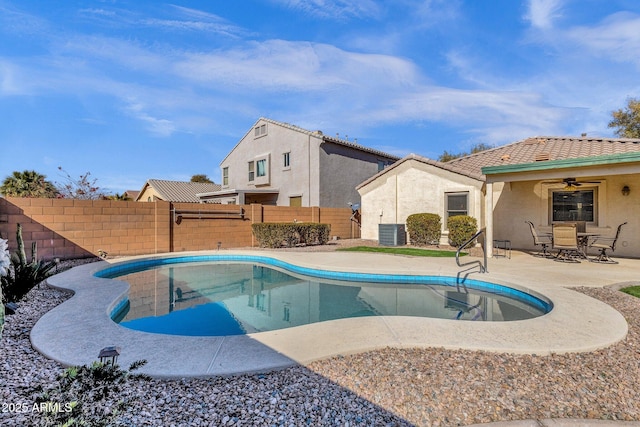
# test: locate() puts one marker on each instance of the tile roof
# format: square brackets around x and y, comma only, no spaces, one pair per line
[543,148]
[181,191]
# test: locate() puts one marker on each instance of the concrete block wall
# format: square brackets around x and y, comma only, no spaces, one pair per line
[68,229]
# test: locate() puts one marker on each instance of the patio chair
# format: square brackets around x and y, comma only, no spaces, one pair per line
[544,241]
[604,243]
[565,240]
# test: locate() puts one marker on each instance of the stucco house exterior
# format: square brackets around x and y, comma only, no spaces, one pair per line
[174,191]
[417,184]
[281,164]
[545,180]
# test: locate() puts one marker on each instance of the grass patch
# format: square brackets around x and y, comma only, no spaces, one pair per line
[403,251]
[632,290]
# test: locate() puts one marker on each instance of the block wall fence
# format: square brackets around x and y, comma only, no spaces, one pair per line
[66,229]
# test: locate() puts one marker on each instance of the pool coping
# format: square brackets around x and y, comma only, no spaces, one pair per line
[74,332]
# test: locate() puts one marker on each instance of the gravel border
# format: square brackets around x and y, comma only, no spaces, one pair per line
[390,387]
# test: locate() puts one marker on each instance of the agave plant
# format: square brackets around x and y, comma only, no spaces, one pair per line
[5,261]
[24,274]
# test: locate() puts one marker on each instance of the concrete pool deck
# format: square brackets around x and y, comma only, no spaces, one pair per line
[74,332]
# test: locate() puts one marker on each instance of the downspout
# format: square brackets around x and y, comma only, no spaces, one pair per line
[396,194]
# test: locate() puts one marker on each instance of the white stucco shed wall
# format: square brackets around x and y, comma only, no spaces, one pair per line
[413,186]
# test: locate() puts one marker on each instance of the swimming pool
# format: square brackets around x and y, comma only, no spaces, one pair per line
[222,295]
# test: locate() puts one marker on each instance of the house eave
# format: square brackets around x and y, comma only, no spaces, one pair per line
[563,164]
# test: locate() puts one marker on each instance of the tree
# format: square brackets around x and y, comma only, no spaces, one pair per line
[627,120]
[201,178]
[28,184]
[82,188]
[446,156]
[116,196]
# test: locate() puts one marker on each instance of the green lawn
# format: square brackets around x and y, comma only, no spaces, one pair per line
[402,251]
[632,290]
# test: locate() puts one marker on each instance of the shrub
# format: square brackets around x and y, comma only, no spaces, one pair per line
[461,228]
[287,234]
[424,228]
[89,395]
[24,275]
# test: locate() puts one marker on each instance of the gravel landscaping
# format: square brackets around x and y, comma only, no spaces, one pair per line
[390,387]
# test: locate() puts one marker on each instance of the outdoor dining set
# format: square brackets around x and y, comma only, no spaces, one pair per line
[570,241]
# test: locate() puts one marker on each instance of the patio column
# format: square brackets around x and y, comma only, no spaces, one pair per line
[488,219]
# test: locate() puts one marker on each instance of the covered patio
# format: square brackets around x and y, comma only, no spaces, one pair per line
[601,190]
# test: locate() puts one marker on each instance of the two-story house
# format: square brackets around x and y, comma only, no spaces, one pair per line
[281,164]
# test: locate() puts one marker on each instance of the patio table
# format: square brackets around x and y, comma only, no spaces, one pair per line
[583,241]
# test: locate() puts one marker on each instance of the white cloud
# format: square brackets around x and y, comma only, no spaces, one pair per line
[542,13]
[278,65]
[159,127]
[196,20]
[617,37]
[335,9]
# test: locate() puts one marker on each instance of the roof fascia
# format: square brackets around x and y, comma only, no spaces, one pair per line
[564,163]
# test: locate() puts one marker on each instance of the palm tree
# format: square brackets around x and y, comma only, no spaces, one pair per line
[28,184]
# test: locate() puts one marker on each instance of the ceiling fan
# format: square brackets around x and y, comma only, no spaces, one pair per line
[571,182]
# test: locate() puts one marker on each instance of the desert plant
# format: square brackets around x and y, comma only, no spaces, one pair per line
[461,228]
[89,395]
[424,228]
[5,261]
[23,275]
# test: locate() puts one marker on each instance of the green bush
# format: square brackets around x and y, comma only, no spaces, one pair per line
[24,275]
[461,228]
[288,234]
[424,229]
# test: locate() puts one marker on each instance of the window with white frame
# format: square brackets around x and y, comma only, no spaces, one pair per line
[262,173]
[261,167]
[225,176]
[286,160]
[259,131]
[457,204]
[251,167]
[574,205]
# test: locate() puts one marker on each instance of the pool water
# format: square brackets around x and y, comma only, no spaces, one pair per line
[231,298]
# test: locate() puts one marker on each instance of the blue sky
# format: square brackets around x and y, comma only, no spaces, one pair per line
[130,90]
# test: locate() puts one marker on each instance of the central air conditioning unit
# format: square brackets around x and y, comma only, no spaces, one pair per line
[392,235]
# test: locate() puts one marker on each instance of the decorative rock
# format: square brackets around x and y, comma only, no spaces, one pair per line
[389,387]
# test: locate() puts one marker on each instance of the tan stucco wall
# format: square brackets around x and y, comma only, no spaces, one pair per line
[517,202]
[149,194]
[413,187]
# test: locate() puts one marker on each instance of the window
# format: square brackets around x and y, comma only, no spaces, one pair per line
[578,205]
[457,204]
[261,166]
[381,165]
[286,160]
[225,176]
[260,303]
[259,131]
[295,201]
[251,172]
[262,173]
